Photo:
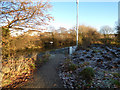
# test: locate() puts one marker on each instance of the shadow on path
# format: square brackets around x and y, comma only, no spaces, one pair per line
[46,76]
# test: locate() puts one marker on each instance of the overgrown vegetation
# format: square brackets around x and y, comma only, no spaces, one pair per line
[20,69]
[42,60]
[118,34]
[11,45]
[87,36]
[14,71]
[72,67]
[116,83]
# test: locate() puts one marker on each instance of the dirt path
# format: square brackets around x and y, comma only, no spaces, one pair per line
[46,76]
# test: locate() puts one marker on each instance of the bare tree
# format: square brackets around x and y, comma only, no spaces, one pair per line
[24,13]
[106,30]
[61,29]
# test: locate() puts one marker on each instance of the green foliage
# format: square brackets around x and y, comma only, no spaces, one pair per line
[87,73]
[32,65]
[67,62]
[116,74]
[72,67]
[69,65]
[5,42]
[45,60]
[42,60]
[116,82]
[5,32]
[39,61]
[87,85]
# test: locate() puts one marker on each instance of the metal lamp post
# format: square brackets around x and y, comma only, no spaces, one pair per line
[119,13]
[77,3]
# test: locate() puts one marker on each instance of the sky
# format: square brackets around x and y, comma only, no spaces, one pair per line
[95,14]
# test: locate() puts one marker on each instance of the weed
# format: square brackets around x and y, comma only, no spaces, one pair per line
[116,82]
[68,61]
[72,67]
[87,85]
[46,55]
[32,65]
[87,73]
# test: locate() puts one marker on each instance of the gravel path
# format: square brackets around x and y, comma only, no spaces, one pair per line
[47,76]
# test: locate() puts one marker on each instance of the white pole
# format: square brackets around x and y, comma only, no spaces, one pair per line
[77,2]
[119,13]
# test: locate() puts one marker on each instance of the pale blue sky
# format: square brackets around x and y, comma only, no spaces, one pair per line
[95,14]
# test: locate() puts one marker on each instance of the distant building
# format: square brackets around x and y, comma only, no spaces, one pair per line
[14,32]
[112,35]
[17,31]
[32,33]
[109,35]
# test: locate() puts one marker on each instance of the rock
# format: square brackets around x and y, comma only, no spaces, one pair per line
[87,49]
[116,66]
[109,66]
[99,81]
[81,59]
[74,57]
[107,57]
[118,49]
[88,56]
[92,55]
[99,60]
[118,62]
[93,51]
[84,52]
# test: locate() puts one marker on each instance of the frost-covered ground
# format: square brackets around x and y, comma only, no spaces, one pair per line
[96,66]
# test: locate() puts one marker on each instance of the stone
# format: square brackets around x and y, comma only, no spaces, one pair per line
[74,57]
[87,49]
[93,51]
[116,66]
[92,55]
[99,60]
[88,56]
[107,57]
[81,59]
[118,62]
[109,66]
